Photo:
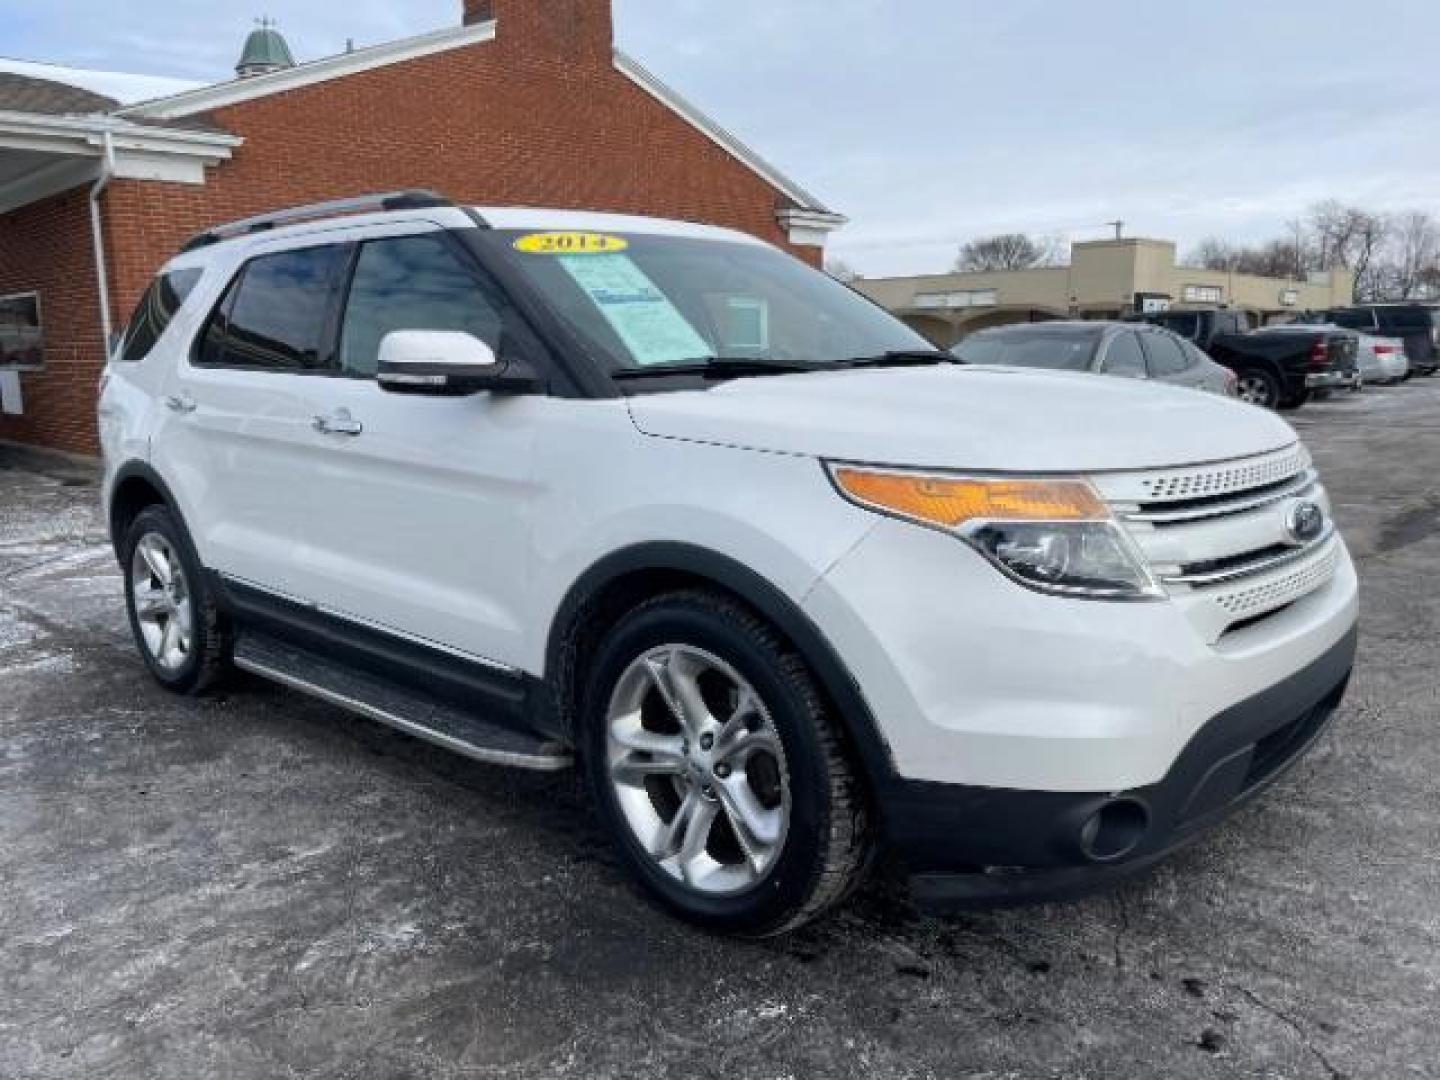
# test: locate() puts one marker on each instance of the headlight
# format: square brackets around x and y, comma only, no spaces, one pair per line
[1054,535]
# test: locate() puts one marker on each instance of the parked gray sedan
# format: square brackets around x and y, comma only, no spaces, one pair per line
[1129,350]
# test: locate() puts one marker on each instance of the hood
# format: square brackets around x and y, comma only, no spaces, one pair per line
[992,419]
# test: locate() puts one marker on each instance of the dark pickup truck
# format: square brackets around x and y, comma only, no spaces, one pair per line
[1277,369]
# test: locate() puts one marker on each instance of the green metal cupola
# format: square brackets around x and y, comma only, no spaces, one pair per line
[265,51]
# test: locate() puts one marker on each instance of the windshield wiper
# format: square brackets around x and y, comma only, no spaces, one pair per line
[902,358]
[739,367]
[719,367]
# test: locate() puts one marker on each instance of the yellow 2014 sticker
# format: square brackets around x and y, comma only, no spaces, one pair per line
[570,243]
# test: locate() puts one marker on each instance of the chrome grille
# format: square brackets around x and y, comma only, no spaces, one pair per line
[1216,535]
[1278,592]
[1180,484]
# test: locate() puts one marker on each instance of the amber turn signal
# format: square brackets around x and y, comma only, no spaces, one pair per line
[952,502]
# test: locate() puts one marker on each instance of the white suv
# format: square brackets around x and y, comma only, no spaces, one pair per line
[790,586]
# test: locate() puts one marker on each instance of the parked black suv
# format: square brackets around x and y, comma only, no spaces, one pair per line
[1417,324]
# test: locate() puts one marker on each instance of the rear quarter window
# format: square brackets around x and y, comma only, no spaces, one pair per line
[153,315]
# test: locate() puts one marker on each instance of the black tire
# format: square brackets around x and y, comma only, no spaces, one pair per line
[827,847]
[208,659]
[1262,387]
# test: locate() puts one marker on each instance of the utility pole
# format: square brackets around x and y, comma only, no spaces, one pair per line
[1119,227]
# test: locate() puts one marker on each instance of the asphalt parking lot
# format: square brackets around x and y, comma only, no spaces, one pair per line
[258,885]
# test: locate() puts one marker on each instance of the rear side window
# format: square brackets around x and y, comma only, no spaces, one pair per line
[152,315]
[1057,350]
[1411,319]
[1184,323]
[1124,357]
[1353,318]
[274,315]
[413,283]
[1166,355]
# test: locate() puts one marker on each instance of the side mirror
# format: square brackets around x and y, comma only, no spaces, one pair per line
[448,363]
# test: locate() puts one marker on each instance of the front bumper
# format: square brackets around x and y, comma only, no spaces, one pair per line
[966,846]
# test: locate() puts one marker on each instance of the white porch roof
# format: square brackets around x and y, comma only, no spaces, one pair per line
[42,155]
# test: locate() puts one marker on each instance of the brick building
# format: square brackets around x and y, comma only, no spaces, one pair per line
[524,102]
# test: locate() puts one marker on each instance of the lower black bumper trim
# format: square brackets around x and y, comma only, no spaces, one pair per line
[969,846]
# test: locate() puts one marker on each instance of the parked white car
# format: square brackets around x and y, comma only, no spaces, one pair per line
[659,500]
[1381,360]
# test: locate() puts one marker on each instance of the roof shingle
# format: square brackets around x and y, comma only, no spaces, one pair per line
[20,93]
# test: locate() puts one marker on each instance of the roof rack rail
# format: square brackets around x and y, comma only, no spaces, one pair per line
[362,204]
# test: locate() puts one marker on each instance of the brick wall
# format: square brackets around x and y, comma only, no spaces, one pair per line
[46,248]
[532,118]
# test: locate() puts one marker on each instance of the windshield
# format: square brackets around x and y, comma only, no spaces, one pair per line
[1056,350]
[646,303]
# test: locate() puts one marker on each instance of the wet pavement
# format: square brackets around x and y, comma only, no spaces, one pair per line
[258,885]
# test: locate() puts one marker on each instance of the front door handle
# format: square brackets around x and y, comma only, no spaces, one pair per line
[181,403]
[340,422]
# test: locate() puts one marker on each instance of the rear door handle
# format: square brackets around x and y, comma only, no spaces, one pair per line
[340,422]
[181,403]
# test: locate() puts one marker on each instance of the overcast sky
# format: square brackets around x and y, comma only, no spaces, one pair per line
[930,121]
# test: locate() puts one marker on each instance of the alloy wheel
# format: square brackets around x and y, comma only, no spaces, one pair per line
[698,769]
[1253,389]
[163,606]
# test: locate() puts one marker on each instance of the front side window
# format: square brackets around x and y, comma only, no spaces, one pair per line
[412,283]
[1166,356]
[159,305]
[273,316]
[647,302]
[1124,357]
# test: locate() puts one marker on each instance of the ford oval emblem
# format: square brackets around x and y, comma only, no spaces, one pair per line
[1304,523]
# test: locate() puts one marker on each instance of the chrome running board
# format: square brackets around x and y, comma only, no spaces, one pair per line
[396,706]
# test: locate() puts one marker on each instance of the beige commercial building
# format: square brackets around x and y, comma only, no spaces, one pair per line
[1106,279]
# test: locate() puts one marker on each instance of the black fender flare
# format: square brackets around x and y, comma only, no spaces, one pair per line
[135,470]
[855,715]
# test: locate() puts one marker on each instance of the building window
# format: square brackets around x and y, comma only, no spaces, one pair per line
[22,335]
[1204,294]
[963,298]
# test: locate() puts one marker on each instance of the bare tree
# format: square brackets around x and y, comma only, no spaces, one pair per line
[1414,259]
[1281,258]
[1349,238]
[1392,257]
[1213,253]
[840,270]
[1008,251]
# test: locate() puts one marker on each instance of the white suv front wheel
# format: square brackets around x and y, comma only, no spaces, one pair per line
[180,633]
[716,767]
